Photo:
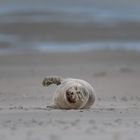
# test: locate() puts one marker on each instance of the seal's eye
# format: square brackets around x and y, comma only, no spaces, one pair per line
[78,92]
[72,93]
[67,93]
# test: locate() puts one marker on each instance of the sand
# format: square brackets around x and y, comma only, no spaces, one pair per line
[60,31]
[115,76]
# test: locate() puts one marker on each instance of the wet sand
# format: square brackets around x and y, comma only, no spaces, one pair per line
[60,31]
[115,75]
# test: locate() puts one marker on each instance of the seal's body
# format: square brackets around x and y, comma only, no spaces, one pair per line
[71,93]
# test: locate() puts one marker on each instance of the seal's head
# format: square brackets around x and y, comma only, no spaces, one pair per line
[76,96]
[71,95]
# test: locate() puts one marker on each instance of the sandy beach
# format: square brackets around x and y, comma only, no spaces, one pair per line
[115,75]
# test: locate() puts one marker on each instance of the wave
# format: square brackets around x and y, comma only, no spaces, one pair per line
[57,47]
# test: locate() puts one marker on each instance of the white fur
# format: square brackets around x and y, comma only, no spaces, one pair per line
[85,99]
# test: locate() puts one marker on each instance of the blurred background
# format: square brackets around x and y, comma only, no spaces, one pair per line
[69,25]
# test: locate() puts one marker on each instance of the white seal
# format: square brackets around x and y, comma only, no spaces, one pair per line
[71,93]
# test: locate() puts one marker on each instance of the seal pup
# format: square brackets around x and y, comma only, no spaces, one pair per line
[70,93]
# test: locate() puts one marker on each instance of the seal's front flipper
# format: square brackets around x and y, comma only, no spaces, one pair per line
[52,106]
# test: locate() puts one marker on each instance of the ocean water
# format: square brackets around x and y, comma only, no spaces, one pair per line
[74,11]
[16,45]
[107,12]
[51,47]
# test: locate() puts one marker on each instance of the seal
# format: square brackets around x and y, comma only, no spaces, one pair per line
[70,93]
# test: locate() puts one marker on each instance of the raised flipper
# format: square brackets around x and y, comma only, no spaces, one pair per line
[52,80]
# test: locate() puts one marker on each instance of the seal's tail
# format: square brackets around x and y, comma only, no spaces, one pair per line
[52,80]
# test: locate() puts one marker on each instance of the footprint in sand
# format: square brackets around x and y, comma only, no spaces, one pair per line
[125,70]
[54,137]
[100,74]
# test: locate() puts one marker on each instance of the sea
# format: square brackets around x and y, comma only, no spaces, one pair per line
[105,12]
